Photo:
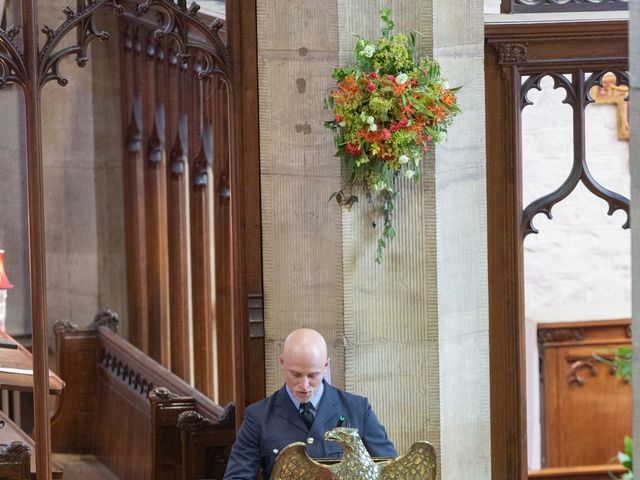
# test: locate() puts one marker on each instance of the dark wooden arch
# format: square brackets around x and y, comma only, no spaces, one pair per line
[511,51]
[31,65]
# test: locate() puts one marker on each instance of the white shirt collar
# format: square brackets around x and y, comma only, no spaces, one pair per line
[315,399]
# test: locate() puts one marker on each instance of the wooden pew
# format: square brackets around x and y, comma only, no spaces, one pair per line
[15,460]
[16,446]
[594,472]
[125,408]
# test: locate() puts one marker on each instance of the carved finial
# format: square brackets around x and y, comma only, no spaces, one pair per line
[12,32]
[162,394]
[69,13]
[106,318]
[48,31]
[512,52]
[193,8]
[64,326]
[16,452]
[192,421]
[216,25]
[229,414]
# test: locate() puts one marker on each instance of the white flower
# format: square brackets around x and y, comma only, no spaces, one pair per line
[373,127]
[368,50]
[409,173]
[403,159]
[370,120]
[445,84]
[342,124]
[402,78]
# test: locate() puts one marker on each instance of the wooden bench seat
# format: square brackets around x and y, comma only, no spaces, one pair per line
[137,418]
[593,472]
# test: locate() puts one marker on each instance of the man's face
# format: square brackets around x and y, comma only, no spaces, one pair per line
[303,373]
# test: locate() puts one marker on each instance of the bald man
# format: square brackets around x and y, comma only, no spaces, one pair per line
[302,411]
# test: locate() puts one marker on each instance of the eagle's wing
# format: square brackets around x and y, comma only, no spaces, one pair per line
[419,463]
[293,463]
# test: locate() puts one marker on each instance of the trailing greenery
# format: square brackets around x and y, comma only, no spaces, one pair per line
[389,108]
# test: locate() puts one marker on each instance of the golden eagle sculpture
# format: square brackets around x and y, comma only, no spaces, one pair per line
[293,463]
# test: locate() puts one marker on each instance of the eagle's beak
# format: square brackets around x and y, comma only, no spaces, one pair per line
[331,436]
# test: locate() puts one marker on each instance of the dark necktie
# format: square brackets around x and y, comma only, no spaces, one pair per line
[307,413]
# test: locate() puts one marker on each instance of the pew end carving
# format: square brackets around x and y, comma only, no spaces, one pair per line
[124,408]
[15,461]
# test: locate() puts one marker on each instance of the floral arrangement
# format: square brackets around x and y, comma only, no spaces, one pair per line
[390,107]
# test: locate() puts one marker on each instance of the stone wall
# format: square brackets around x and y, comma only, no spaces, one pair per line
[411,334]
[83,192]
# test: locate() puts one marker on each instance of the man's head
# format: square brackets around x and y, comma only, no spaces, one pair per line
[303,362]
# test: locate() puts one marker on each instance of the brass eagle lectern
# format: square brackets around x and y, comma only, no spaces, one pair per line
[293,463]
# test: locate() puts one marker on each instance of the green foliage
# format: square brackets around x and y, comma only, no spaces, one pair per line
[389,108]
[621,362]
[626,458]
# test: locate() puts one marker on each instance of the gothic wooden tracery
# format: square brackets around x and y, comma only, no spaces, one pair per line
[514,51]
[177,33]
[534,6]
[578,85]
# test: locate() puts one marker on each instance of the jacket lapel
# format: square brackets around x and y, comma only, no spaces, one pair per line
[287,410]
[326,418]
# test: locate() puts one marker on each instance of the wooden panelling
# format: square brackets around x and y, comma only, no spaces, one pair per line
[133,186]
[113,409]
[511,52]
[597,472]
[191,144]
[535,6]
[581,394]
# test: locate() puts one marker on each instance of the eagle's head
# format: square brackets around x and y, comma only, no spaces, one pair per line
[343,435]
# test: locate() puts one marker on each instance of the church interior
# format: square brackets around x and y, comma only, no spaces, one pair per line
[167,218]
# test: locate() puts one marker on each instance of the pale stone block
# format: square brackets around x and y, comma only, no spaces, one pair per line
[464,396]
[301,231]
[462,25]
[293,138]
[400,380]
[297,24]
[12,136]
[109,204]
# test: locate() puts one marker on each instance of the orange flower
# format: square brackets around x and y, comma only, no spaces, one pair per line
[349,85]
[449,99]
[347,89]
[398,89]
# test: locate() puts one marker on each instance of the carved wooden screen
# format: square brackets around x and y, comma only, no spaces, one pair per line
[576,56]
[533,6]
[177,198]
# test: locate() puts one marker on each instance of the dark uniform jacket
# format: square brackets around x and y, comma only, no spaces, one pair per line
[273,423]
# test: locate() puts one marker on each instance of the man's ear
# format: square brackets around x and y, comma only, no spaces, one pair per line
[281,361]
[327,371]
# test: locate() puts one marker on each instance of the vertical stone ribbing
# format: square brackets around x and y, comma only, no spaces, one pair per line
[297,49]
[458,43]
[391,327]
[409,330]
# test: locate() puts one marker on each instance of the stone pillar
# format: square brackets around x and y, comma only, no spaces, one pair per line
[302,252]
[463,318]
[634,166]
[412,332]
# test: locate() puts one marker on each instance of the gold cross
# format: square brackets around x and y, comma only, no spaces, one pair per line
[611,93]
